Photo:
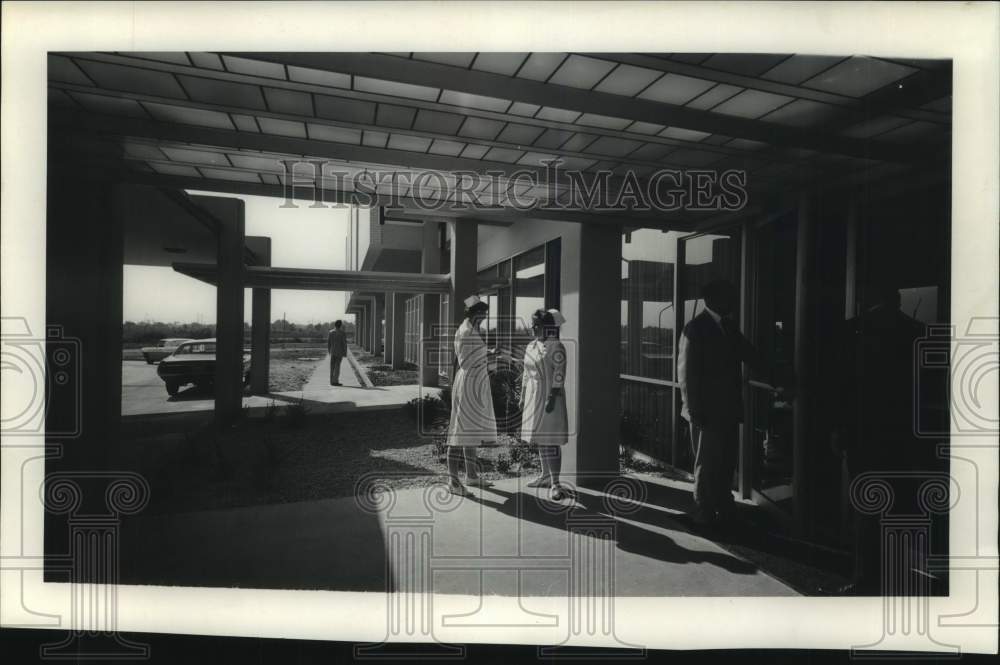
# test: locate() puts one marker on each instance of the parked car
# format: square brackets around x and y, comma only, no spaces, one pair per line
[163,348]
[194,362]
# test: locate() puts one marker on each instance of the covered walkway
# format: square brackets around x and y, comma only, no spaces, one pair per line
[503,541]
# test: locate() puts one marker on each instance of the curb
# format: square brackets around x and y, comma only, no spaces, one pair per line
[359,370]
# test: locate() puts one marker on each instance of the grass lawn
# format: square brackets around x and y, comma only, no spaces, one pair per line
[382,374]
[292,366]
[290,456]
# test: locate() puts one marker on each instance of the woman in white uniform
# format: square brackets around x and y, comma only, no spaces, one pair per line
[473,422]
[543,400]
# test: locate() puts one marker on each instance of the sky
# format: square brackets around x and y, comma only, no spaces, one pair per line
[301,237]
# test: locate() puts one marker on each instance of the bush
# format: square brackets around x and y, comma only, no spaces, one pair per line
[524,455]
[505,385]
[295,414]
[503,463]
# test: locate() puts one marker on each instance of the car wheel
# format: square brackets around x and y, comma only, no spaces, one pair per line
[172,388]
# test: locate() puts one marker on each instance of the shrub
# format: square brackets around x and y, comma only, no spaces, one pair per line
[503,463]
[523,454]
[505,385]
[295,414]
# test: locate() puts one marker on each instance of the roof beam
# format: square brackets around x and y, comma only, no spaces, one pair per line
[330,197]
[854,106]
[313,120]
[174,68]
[585,101]
[313,279]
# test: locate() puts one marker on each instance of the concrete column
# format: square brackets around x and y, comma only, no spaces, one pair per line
[229,306]
[430,313]
[260,323]
[378,309]
[82,328]
[396,311]
[594,456]
[464,282]
[390,321]
[800,422]
[361,337]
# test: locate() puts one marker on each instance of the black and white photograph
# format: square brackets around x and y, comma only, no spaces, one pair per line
[592,345]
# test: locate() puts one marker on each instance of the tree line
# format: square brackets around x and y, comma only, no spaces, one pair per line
[149,332]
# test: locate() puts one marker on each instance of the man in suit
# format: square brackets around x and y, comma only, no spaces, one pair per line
[873,412]
[709,370]
[336,344]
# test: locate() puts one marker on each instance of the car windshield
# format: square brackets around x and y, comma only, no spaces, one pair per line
[200,347]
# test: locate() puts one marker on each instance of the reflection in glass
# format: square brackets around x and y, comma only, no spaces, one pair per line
[529,292]
[648,318]
[708,258]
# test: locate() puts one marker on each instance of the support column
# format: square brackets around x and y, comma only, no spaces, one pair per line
[229,306]
[464,248]
[594,457]
[800,422]
[430,313]
[389,313]
[260,324]
[396,312]
[378,307]
[361,327]
[82,335]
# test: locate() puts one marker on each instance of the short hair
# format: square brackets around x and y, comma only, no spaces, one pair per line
[716,291]
[476,309]
[543,318]
[338,323]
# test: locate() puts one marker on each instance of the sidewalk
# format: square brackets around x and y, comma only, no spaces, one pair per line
[502,541]
[147,400]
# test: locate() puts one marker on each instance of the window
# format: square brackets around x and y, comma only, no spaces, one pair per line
[535,285]
[529,290]
[708,258]
[648,318]
[411,343]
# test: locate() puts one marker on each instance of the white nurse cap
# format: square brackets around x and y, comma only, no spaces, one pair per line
[472,300]
[557,317]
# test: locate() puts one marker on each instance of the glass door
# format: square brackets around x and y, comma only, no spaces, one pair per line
[771,322]
[703,258]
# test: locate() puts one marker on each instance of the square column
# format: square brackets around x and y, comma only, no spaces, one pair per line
[430,312]
[229,306]
[464,263]
[378,309]
[594,456]
[260,323]
[364,327]
[395,335]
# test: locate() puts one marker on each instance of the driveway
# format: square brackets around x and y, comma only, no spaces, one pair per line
[143,393]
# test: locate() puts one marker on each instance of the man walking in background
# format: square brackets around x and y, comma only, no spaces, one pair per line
[336,344]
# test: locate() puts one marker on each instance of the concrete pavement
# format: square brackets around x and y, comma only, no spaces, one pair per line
[502,541]
[143,394]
